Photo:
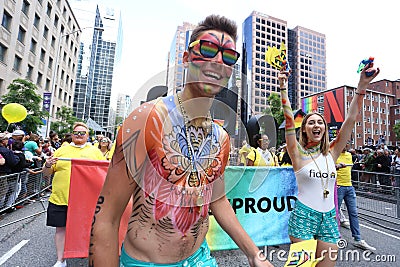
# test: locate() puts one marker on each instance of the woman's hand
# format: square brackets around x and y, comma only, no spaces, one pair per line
[364,79]
[283,78]
[259,261]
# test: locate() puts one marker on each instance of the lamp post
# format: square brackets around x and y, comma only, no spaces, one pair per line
[53,82]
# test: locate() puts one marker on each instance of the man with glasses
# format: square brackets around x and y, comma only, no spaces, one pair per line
[61,169]
[170,156]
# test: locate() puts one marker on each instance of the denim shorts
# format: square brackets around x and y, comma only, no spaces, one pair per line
[201,258]
[306,223]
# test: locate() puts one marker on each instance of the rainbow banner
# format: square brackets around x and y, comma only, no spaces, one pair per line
[309,104]
[262,198]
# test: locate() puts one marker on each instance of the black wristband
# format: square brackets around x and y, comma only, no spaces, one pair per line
[357,93]
[45,165]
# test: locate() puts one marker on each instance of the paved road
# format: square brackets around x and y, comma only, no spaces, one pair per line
[26,241]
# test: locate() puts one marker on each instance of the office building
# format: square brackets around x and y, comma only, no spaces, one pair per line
[379,113]
[175,70]
[306,56]
[39,41]
[123,105]
[100,51]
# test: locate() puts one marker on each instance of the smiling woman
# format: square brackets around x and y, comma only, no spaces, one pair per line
[313,158]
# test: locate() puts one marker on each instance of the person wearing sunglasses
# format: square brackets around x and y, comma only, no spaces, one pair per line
[170,156]
[61,171]
[105,147]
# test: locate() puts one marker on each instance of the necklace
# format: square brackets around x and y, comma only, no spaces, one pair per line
[194,180]
[325,190]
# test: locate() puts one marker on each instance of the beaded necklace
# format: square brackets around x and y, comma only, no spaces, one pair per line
[194,180]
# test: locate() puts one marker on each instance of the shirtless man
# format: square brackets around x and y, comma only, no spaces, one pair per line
[170,158]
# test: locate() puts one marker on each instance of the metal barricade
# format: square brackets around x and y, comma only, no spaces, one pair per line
[377,193]
[17,188]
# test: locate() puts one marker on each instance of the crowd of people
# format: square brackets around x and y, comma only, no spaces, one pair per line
[372,165]
[25,152]
[171,156]
[30,153]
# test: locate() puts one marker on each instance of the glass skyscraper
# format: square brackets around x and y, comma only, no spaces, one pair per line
[306,56]
[99,53]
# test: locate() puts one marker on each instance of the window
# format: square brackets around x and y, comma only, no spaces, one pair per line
[39,79]
[33,46]
[36,21]
[53,41]
[6,22]
[21,35]
[3,52]
[49,8]
[50,62]
[25,7]
[56,19]
[42,55]
[45,32]
[29,72]
[17,63]
[47,85]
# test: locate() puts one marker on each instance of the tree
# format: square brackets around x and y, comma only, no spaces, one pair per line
[119,120]
[66,121]
[275,110]
[396,129]
[24,92]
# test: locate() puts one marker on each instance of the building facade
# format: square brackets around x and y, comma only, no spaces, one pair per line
[380,111]
[306,56]
[175,70]
[99,52]
[123,105]
[39,41]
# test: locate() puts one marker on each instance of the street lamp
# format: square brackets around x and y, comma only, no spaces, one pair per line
[53,82]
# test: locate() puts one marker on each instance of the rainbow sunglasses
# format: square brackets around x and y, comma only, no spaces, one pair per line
[209,49]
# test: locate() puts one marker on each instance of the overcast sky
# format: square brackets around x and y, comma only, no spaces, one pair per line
[354,30]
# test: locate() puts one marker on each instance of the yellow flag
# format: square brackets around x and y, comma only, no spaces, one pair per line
[276,57]
[303,254]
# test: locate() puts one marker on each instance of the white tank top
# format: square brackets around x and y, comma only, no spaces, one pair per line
[310,187]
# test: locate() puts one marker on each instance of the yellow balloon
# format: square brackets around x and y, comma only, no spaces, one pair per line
[14,112]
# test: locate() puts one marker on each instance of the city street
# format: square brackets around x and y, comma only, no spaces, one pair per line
[26,241]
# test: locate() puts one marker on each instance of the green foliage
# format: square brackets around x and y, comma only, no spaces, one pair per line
[24,92]
[396,129]
[275,109]
[66,121]
[119,120]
